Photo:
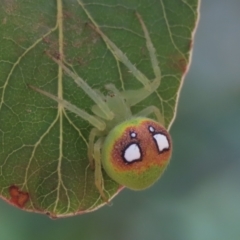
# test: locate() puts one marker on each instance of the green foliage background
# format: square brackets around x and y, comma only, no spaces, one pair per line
[198,197]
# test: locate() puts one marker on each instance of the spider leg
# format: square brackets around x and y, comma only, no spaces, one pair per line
[120,56]
[151,50]
[135,96]
[115,101]
[149,110]
[97,123]
[93,134]
[107,113]
[98,169]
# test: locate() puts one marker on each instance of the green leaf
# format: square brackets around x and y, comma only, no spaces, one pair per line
[43,149]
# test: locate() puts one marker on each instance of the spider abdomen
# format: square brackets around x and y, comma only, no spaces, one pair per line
[136,152]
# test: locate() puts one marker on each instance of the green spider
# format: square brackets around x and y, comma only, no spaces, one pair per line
[133,149]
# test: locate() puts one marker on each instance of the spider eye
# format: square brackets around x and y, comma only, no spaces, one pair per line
[136,152]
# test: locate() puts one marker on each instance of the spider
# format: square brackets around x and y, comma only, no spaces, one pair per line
[133,149]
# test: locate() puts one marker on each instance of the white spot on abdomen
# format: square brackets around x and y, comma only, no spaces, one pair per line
[132,153]
[162,141]
[151,129]
[133,135]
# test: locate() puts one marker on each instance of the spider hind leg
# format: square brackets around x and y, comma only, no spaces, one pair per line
[99,182]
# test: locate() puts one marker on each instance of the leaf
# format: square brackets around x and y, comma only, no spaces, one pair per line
[43,149]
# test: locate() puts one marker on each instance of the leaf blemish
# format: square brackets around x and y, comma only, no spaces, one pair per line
[18,197]
[178,63]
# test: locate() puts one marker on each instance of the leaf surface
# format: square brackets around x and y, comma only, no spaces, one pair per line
[43,148]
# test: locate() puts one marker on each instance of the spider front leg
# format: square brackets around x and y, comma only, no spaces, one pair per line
[135,96]
[120,56]
[94,95]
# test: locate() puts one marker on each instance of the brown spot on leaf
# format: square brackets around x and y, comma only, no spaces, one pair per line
[178,63]
[18,197]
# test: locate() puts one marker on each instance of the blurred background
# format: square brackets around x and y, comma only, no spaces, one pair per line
[198,198]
